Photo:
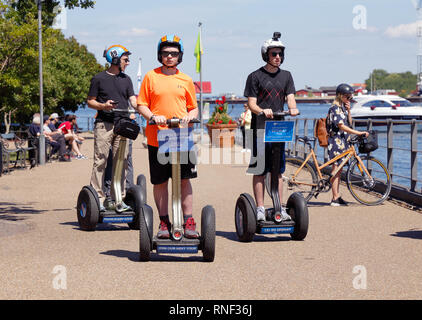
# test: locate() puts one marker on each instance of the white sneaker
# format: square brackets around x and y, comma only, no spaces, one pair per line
[260,214]
[284,215]
[243,150]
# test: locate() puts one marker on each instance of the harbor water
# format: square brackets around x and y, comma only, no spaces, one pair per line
[401,156]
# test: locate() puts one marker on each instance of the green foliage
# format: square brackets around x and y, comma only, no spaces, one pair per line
[220,115]
[67,65]
[403,83]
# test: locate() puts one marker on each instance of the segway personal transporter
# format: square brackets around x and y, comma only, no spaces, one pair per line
[246,222]
[175,141]
[88,205]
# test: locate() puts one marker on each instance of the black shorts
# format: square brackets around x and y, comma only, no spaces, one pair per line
[261,158]
[160,173]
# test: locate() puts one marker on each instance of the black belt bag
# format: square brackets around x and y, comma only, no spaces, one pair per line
[126,128]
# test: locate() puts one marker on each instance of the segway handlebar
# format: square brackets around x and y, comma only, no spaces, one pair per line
[278,114]
[174,121]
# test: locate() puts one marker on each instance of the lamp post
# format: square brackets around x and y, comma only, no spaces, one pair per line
[42,137]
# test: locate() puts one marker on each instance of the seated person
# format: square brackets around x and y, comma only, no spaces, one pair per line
[56,140]
[35,131]
[54,122]
[67,129]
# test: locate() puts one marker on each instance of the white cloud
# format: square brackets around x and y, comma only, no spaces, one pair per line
[137,32]
[402,31]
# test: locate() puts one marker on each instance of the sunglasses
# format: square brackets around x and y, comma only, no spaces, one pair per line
[172,53]
[274,54]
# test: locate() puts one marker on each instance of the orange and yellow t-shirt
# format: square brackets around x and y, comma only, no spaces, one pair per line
[166,95]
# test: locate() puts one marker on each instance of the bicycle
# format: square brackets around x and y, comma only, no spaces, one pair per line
[369,185]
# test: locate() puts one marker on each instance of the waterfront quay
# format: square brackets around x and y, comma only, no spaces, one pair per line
[353,252]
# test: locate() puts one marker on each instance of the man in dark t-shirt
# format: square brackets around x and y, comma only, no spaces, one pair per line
[267,89]
[109,90]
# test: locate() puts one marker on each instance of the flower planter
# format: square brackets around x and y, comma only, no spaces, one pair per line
[222,135]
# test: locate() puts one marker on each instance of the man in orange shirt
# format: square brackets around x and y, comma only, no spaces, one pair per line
[166,93]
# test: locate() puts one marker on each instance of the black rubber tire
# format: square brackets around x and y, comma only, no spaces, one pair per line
[134,198]
[245,217]
[306,175]
[379,191]
[208,233]
[145,233]
[298,210]
[87,209]
[142,182]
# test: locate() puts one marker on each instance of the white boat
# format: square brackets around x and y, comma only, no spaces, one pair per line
[383,107]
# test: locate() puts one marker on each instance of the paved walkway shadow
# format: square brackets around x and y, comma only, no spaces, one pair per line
[17,211]
[155,257]
[412,234]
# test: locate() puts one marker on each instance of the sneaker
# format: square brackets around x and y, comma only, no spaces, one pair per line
[260,214]
[342,202]
[243,150]
[81,157]
[78,141]
[284,215]
[335,203]
[123,207]
[163,231]
[190,229]
[64,159]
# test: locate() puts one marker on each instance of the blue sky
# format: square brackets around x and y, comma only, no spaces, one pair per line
[323,45]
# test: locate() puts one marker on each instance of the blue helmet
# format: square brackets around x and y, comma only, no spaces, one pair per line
[114,53]
[172,41]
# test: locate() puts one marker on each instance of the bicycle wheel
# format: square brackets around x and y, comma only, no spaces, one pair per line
[366,190]
[305,181]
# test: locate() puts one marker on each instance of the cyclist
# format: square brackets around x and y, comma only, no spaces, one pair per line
[166,92]
[267,89]
[339,130]
[109,89]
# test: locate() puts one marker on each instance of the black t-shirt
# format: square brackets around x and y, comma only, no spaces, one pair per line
[105,86]
[270,89]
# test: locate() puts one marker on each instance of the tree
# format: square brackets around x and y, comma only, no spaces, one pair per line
[68,66]
[403,83]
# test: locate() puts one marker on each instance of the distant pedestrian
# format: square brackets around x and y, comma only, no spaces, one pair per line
[339,130]
[245,125]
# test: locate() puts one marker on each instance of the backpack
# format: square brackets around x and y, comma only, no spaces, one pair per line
[321,133]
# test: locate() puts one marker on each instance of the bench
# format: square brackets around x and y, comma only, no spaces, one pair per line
[12,144]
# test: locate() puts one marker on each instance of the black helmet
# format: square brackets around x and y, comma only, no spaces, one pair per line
[344,88]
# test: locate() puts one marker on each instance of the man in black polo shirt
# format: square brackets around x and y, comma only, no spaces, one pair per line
[110,89]
[267,90]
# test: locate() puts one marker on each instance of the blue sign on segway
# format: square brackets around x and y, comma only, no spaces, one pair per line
[175,140]
[279,131]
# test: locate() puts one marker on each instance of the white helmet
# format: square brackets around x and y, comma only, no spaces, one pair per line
[274,42]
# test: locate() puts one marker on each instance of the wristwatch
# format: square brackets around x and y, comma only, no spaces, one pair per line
[152,117]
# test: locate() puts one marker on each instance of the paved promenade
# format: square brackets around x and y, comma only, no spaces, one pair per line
[354,252]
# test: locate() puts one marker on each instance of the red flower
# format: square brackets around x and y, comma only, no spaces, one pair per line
[223,99]
[221,121]
[221,109]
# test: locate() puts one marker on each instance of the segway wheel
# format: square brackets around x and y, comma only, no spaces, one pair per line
[208,233]
[145,232]
[142,182]
[245,218]
[297,208]
[135,199]
[87,209]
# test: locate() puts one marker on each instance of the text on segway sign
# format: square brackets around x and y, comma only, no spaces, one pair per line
[217,309]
